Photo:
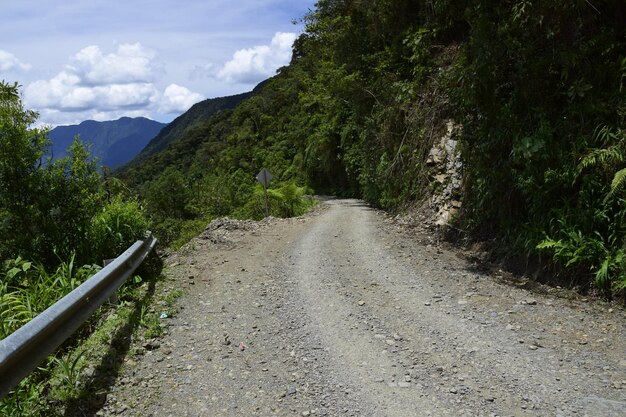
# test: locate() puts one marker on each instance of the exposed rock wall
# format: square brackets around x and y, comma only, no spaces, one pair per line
[446,176]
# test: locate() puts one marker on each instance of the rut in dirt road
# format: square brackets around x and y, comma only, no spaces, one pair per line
[340,313]
[389,325]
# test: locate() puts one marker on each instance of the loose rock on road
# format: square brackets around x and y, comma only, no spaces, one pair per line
[342,313]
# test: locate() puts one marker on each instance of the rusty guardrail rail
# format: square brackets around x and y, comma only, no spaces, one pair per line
[23,350]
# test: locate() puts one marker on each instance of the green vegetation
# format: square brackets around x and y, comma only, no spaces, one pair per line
[543,106]
[537,86]
[26,290]
[198,112]
[54,211]
[53,217]
[76,379]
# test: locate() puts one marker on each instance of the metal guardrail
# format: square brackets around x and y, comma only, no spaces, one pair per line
[23,350]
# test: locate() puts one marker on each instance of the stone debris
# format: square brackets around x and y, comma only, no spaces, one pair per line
[340,326]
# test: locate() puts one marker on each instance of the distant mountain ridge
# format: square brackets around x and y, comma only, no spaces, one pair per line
[195,115]
[113,142]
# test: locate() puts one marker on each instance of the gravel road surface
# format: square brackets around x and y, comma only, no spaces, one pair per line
[344,313]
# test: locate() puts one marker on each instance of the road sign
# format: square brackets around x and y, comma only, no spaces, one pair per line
[264,177]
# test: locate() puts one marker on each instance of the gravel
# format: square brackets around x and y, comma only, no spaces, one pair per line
[343,312]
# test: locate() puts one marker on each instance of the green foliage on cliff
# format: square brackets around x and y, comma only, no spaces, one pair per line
[542,102]
[538,87]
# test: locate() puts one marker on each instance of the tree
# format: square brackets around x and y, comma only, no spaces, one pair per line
[21,176]
[168,195]
[45,208]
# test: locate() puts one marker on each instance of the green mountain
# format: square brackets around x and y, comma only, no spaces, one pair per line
[178,128]
[112,142]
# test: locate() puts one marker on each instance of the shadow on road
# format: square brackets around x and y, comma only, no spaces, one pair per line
[96,388]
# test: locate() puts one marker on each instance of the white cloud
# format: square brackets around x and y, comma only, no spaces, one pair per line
[131,63]
[101,86]
[178,99]
[67,92]
[94,80]
[9,62]
[252,65]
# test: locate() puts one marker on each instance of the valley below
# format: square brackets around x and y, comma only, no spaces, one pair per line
[344,312]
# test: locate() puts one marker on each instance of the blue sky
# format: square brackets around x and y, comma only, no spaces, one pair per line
[103,59]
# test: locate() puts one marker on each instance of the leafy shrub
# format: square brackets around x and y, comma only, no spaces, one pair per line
[286,201]
[593,235]
[72,197]
[26,290]
[187,230]
[166,230]
[168,195]
[116,227]
[55,214]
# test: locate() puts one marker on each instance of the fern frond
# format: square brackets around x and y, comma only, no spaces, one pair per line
[619,180]
[609,158]
[604,134]
[618,183]
[602,157]
[547,244]
[602,277]
[13,314]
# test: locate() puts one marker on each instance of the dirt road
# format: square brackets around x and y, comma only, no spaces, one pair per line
[342,313]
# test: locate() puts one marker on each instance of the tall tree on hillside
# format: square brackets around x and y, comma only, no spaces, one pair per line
[21,179]
[45,208]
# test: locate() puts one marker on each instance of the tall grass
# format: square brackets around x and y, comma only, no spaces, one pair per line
[26,290]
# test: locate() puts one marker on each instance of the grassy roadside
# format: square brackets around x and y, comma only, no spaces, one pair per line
[75,380]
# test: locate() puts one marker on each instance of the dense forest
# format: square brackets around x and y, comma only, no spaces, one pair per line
[537,86]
